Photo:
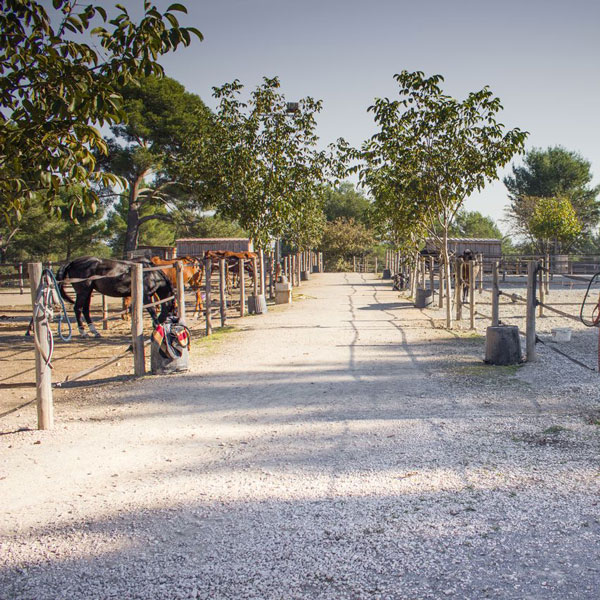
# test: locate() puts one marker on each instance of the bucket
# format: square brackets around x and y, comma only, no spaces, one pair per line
[502,345]
[561,334]
[423,298]
[257,305]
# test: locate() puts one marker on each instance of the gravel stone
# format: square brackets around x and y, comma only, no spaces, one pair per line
[342,448]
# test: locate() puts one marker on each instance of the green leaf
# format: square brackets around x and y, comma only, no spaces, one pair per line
[177,7]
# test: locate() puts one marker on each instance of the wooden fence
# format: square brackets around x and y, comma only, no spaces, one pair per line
[216,279]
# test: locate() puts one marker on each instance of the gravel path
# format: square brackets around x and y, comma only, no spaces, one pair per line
[342,448]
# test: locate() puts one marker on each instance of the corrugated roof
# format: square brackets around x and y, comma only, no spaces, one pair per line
[472,240]
[212,240]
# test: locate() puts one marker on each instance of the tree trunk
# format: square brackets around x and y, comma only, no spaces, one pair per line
[133,216]
[447,280]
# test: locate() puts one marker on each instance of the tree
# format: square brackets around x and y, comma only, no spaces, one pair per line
[472,224]
[554,223]
[551,173]
[432,151]
[344,201]
[155,232]
[57,87]
[261,168]
[41,236]
[206,226]
[343,239]
[161,117]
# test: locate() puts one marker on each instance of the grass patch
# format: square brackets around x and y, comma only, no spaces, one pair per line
[554,429]
[487,371]
[471,335]
[211,342]
[593,418]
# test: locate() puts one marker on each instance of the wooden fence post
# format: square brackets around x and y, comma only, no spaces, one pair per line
[207,295]
[298,269]
[261,262]
[222,290]
[472,294]
[375,265]
[271,275]
[547,274]
[541,284]
[180,292]
[440,284]
[20,278]
[43,373]
[481,273]
[431,274]
[104,313]
[242,287]
[137,319]
[255,278]
[530,327]
[354,264]
[495,296]
[458,290]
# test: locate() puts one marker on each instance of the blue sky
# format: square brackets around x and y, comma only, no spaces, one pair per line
[542,58]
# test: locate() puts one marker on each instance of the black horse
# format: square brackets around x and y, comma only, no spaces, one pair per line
[111,278]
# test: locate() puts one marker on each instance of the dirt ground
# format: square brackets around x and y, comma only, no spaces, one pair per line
[17,361]
[343,447]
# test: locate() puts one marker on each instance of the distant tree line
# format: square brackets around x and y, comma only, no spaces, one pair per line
[252,167]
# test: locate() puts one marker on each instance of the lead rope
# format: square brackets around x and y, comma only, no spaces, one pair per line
[47,296]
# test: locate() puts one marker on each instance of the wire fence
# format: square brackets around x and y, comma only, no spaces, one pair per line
[541,276]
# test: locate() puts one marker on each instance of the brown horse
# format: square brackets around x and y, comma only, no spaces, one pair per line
[193,271]
[192,276]
[231,259]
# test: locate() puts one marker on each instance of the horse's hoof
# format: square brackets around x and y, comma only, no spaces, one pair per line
[83,335]
[97,335]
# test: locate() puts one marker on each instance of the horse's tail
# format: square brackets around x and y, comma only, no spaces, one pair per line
[62,272]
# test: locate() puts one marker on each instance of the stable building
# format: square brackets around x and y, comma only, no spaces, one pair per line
[198,246]
[490,249]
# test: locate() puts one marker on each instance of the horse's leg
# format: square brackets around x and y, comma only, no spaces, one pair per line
[88,318]
[165,308]
[126,307]
[150,309]
[198,307]
[80,301]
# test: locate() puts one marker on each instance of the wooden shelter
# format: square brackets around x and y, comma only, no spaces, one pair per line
[164,252]
[198,246]
[491,249]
